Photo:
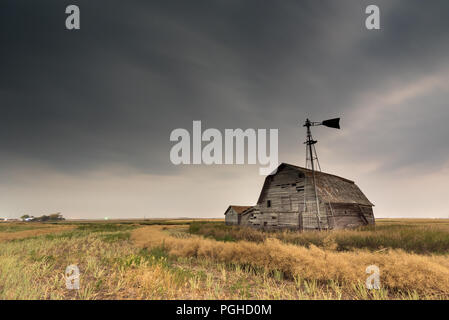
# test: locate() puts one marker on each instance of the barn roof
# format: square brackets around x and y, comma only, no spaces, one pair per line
[238,209]
[331,188]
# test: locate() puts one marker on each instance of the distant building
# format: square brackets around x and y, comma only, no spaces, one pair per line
[288,201]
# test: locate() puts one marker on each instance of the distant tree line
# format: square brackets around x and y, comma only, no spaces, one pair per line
[52,217]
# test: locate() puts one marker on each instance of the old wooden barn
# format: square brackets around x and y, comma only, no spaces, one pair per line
[288,200]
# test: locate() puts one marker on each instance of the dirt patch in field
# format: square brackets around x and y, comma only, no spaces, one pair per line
[6,236]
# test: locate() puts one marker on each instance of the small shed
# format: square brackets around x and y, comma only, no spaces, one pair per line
[233,214]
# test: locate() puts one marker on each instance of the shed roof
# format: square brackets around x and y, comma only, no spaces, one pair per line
[331,188]
[238,209]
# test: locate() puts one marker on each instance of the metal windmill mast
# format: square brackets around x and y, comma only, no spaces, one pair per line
[312,156]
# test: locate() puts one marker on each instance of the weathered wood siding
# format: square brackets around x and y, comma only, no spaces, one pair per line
[282,202]
[369,214]
[351,215]
[288,200]
[310,216]
[244,219]
[231,217]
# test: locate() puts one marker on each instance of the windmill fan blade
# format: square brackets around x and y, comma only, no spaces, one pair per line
[332,123]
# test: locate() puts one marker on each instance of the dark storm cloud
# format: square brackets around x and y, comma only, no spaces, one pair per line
[112,92]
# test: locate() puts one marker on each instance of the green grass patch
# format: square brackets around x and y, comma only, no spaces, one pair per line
[105,227]
[116,236]
[18,227]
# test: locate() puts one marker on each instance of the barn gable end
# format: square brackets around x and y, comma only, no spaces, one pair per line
[287,200]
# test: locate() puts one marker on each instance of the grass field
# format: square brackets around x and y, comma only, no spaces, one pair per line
[184,259]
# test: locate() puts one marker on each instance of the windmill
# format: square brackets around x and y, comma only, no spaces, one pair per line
[311,155]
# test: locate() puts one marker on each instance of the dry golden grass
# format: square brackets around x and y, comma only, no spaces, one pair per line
[401,272]
[113,268]
[118,261]
[408,235]
[420,222]
[36,230]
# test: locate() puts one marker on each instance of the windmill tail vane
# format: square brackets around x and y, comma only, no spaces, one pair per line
[311,154]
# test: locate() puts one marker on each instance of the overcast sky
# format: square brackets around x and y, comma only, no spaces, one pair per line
[86,115]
